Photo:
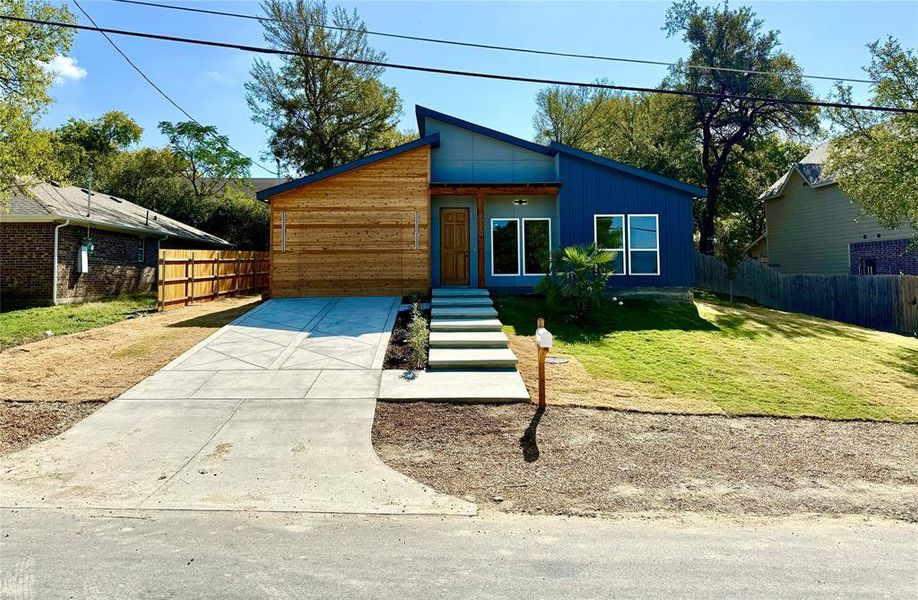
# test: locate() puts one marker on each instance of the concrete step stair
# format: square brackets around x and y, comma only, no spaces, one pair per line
[453,301]
[471,358]
[463,312]
[448,292]
[468,339]
[442,324]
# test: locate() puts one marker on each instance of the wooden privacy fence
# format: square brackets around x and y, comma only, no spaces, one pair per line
[186,276]
[885,302]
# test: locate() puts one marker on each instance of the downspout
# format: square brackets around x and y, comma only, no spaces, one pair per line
[57,228]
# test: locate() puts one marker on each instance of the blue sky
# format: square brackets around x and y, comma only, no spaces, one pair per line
[827,38]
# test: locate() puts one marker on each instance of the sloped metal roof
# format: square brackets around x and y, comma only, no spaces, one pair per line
[50,201]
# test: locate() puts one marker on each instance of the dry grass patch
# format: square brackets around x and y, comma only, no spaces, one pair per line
[101,363]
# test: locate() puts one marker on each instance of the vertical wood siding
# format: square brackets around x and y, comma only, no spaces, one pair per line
[588,189]
[354,234]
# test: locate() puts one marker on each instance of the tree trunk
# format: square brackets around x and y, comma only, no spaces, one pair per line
[706,238]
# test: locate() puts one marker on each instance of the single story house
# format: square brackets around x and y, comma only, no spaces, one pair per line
[61,244]
[813,227]
[465,205]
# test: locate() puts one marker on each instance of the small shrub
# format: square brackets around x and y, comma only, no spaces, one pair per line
[577,280]
[417,337]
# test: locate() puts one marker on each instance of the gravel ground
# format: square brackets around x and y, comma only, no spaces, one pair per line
[25,423]
[600,462]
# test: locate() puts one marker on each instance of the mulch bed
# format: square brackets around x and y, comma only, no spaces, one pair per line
[398,350]
[25,423]
[573,461]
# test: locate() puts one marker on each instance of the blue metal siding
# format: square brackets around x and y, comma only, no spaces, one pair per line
[465,156]
[588,189]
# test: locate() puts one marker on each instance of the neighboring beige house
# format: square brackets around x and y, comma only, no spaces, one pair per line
[812,227]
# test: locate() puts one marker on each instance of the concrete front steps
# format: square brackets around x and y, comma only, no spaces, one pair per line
[470,358]
[465,332]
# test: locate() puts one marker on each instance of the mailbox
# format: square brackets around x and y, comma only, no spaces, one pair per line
[543,338]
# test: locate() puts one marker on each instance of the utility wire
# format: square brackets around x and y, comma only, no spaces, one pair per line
[490,46]
[153,84]
[475,74]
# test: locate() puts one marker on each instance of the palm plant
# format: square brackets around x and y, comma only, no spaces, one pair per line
[577,280]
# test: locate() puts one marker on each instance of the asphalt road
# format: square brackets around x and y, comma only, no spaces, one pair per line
[205,554]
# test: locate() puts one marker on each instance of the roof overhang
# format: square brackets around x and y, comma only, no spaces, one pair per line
[547,188]
[141,231]
[431,140]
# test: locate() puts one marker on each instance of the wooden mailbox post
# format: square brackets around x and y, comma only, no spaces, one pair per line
[543,345]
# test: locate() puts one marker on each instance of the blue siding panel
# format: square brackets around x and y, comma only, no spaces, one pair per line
[588,188]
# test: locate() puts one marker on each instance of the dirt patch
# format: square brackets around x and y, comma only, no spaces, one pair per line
[25,423]
[99,364]
[574,461]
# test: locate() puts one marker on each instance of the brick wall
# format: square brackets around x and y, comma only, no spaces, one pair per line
[25,262]
[891,257]
[113,266]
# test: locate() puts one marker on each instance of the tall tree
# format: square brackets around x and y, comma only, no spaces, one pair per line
[320,113]
[647,131]
[208,161]
[85,146]
[726,124]
[875,157]
[570,115]
[25,51]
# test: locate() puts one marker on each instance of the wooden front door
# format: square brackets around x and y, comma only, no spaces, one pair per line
[454,246]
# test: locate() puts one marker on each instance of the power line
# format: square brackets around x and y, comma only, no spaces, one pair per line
[475,74]
[491,46]
[153,84]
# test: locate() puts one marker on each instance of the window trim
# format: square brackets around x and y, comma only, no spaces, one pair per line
[624,252]
[142,252]
[523,245]
[656,249]
[518,246]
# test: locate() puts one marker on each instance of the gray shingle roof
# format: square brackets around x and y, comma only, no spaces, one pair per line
[810,168]
[51,201]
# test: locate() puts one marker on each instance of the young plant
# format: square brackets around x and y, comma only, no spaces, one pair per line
[417,338]
[731,248]
[577,280]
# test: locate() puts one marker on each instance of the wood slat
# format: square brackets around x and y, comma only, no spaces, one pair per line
[355,233]
[186,276]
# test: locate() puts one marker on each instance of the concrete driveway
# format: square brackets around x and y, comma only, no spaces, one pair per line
[273,412]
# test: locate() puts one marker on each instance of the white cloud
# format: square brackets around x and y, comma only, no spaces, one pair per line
[64,68]
[219,77]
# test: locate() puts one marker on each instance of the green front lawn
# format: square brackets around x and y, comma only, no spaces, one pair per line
[740,359]
[30,324]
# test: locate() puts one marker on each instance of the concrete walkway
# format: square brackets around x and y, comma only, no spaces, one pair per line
[272,412]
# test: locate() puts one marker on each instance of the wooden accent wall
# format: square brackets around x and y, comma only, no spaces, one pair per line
[354,233]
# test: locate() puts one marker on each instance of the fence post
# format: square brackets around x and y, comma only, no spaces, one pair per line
[192,279]
[160,282]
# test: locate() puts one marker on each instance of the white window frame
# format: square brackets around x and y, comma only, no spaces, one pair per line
[519,239]
[523,244]
[621,250]
[142,251]
[656,218]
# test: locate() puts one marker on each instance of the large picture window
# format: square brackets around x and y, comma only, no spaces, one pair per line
[643,245]
[609,234]
[505,247]
[536,246]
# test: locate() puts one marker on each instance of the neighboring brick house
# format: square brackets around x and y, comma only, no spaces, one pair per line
[106,246]
[813,227]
